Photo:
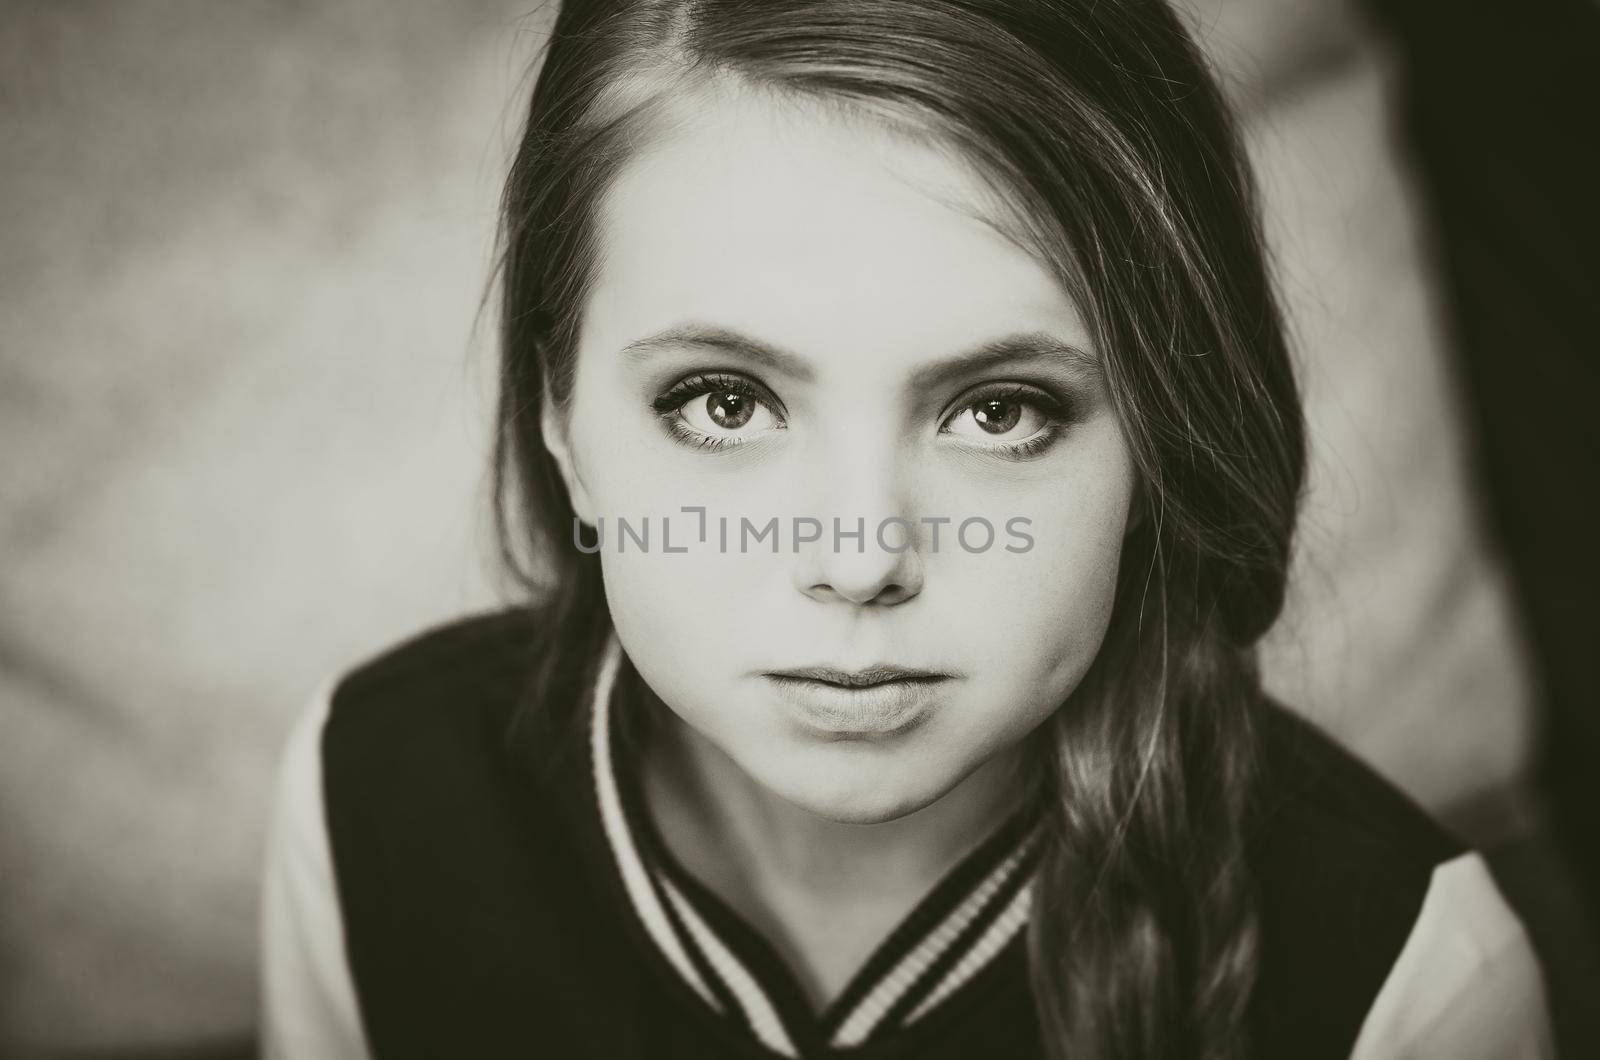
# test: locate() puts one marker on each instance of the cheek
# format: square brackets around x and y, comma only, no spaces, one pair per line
[667,606]
[1041,613]
[671,581]
[688,601]
[692,621]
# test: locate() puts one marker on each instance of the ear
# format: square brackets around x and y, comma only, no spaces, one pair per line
[553,426]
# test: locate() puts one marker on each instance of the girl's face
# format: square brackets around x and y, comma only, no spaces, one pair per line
[802,319]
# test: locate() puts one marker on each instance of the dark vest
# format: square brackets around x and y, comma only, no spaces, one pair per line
[484,918]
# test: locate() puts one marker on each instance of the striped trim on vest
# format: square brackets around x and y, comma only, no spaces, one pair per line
[962,924]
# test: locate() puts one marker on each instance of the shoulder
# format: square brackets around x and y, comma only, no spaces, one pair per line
[307,1002]
[1319,802]
[1467,985]
[480,707]
[462,858]
[475,658]
[1343,862]
[502,684]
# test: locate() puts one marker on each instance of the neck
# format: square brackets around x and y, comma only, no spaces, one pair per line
[776,837]
[825,892]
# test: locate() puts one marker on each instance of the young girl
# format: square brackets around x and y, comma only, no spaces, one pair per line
[908,455]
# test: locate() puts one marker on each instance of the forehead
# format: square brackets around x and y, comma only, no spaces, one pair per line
[836,235]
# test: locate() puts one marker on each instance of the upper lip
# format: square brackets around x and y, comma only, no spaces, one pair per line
[866,676]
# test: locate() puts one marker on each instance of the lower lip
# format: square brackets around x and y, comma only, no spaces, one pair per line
[886,709]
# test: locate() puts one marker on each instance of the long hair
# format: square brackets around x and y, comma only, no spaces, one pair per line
[1099,122]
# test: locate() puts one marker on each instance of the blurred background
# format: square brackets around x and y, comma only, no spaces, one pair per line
[245,390]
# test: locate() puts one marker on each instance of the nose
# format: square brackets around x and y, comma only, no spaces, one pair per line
[867,549]
[874,575]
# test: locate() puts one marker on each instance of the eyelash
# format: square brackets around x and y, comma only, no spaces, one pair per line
[1056,411]
[666,406]
[698,385]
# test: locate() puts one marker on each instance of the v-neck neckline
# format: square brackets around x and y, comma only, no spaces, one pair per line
[975,910]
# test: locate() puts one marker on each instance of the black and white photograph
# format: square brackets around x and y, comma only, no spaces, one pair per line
[799,530]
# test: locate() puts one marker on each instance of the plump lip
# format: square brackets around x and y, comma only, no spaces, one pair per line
[864,677]
[872,703]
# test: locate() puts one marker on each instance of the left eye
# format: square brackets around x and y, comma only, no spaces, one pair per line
[722,412]
[998,418]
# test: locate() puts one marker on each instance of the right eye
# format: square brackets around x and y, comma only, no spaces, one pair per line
[717,410]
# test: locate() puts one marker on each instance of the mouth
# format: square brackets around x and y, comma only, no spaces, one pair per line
[866,677]
[873,701]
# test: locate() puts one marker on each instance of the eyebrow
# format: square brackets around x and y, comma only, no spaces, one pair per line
[714,339]
[1018,346]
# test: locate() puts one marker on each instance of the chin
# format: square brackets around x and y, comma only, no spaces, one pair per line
[859,791]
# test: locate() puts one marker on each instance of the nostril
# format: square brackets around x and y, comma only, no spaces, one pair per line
[886,596]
